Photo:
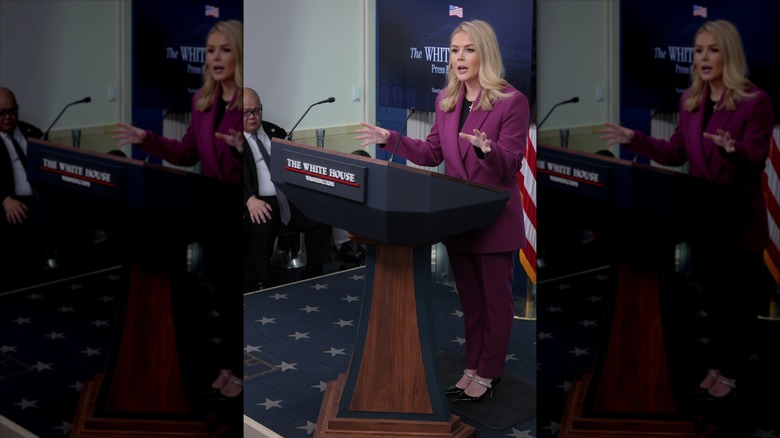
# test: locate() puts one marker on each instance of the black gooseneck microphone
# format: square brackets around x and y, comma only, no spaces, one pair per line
[84,100]
[401,132]
[328,100]
[572,100]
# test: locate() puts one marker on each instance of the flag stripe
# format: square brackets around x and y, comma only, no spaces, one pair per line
[527,181]
[771,182]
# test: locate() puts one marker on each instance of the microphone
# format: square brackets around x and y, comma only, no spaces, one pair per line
[84,100]
[411,111]
[328,100]
[572,100]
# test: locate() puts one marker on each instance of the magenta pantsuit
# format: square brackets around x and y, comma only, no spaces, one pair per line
[482,259]
[217,158]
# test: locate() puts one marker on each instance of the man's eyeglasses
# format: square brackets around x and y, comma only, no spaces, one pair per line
[256,112]
[9,112]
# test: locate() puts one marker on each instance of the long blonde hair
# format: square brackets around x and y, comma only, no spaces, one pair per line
[735,68]
[491,67]
[234,31]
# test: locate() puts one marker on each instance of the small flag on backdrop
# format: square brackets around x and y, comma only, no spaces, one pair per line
[527,180]
[699,11]
[456,11]
[771,180]
[212,11]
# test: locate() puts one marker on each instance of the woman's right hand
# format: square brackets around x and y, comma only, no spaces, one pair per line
[614,134]
[125,134]
[371,134]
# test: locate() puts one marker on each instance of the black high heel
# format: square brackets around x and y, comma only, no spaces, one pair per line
[463,397]
[454,391]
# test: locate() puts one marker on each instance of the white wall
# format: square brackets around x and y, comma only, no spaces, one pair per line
[53,52]
[298,52]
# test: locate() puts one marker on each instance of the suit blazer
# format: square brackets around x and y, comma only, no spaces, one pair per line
[506,125]
[251,187]
[750,124]
[199,144]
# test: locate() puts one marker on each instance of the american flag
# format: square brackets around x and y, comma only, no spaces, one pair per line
[527,180]
[212,11]
[456,11]
[771,180]
[699,11]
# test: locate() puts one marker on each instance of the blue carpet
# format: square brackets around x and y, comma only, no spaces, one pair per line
[301,335]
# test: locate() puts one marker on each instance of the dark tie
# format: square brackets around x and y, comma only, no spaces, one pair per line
[284,204]
[19,152]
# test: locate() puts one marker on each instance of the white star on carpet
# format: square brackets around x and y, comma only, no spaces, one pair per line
[343,323]
[703,340]
[544,335]
[265,320]
[309,428]
[76,286]
[100,323]
[55,335]
[520,433]
[299,335]
[270,404]
[555,309]
[7,348]
[65,427]
[40,366]
[764,433]
[335,351]
[287,366]
[67,309]
[579,351]
[701,313]
[251,348]
[309,309]
[106,298]
[214,314]
[553,427]
[588,323]
[21,320]
[77,386]
[510,357]
[565,386]
[595,298]
[92,352]
[357,277]
[113,277]
[602,277]
[350,299]
[564,286]
[24,404]
[459,340]
[278,296]
[321,386]
[318,286]
[458,313]
[215,340]
[34,296]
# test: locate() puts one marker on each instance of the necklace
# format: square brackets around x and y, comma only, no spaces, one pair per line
[470,104]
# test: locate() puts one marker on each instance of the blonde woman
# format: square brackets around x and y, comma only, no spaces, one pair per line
[217,113]
[480,134]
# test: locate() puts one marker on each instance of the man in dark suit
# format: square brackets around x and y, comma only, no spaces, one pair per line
[20,221]
[267,210]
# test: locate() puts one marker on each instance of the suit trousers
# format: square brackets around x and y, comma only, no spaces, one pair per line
[484,284]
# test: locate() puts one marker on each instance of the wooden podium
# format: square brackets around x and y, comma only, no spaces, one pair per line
[642,212]
[392,386]
[141,392]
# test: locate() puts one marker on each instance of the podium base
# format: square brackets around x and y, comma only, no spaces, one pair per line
[575,424]
[329,425]
[88,425]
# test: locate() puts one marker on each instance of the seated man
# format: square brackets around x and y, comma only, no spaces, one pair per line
[268,211]
[20,224]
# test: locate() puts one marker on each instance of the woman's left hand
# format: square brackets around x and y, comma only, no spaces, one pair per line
[234,139]
[723,140]
[479,139]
